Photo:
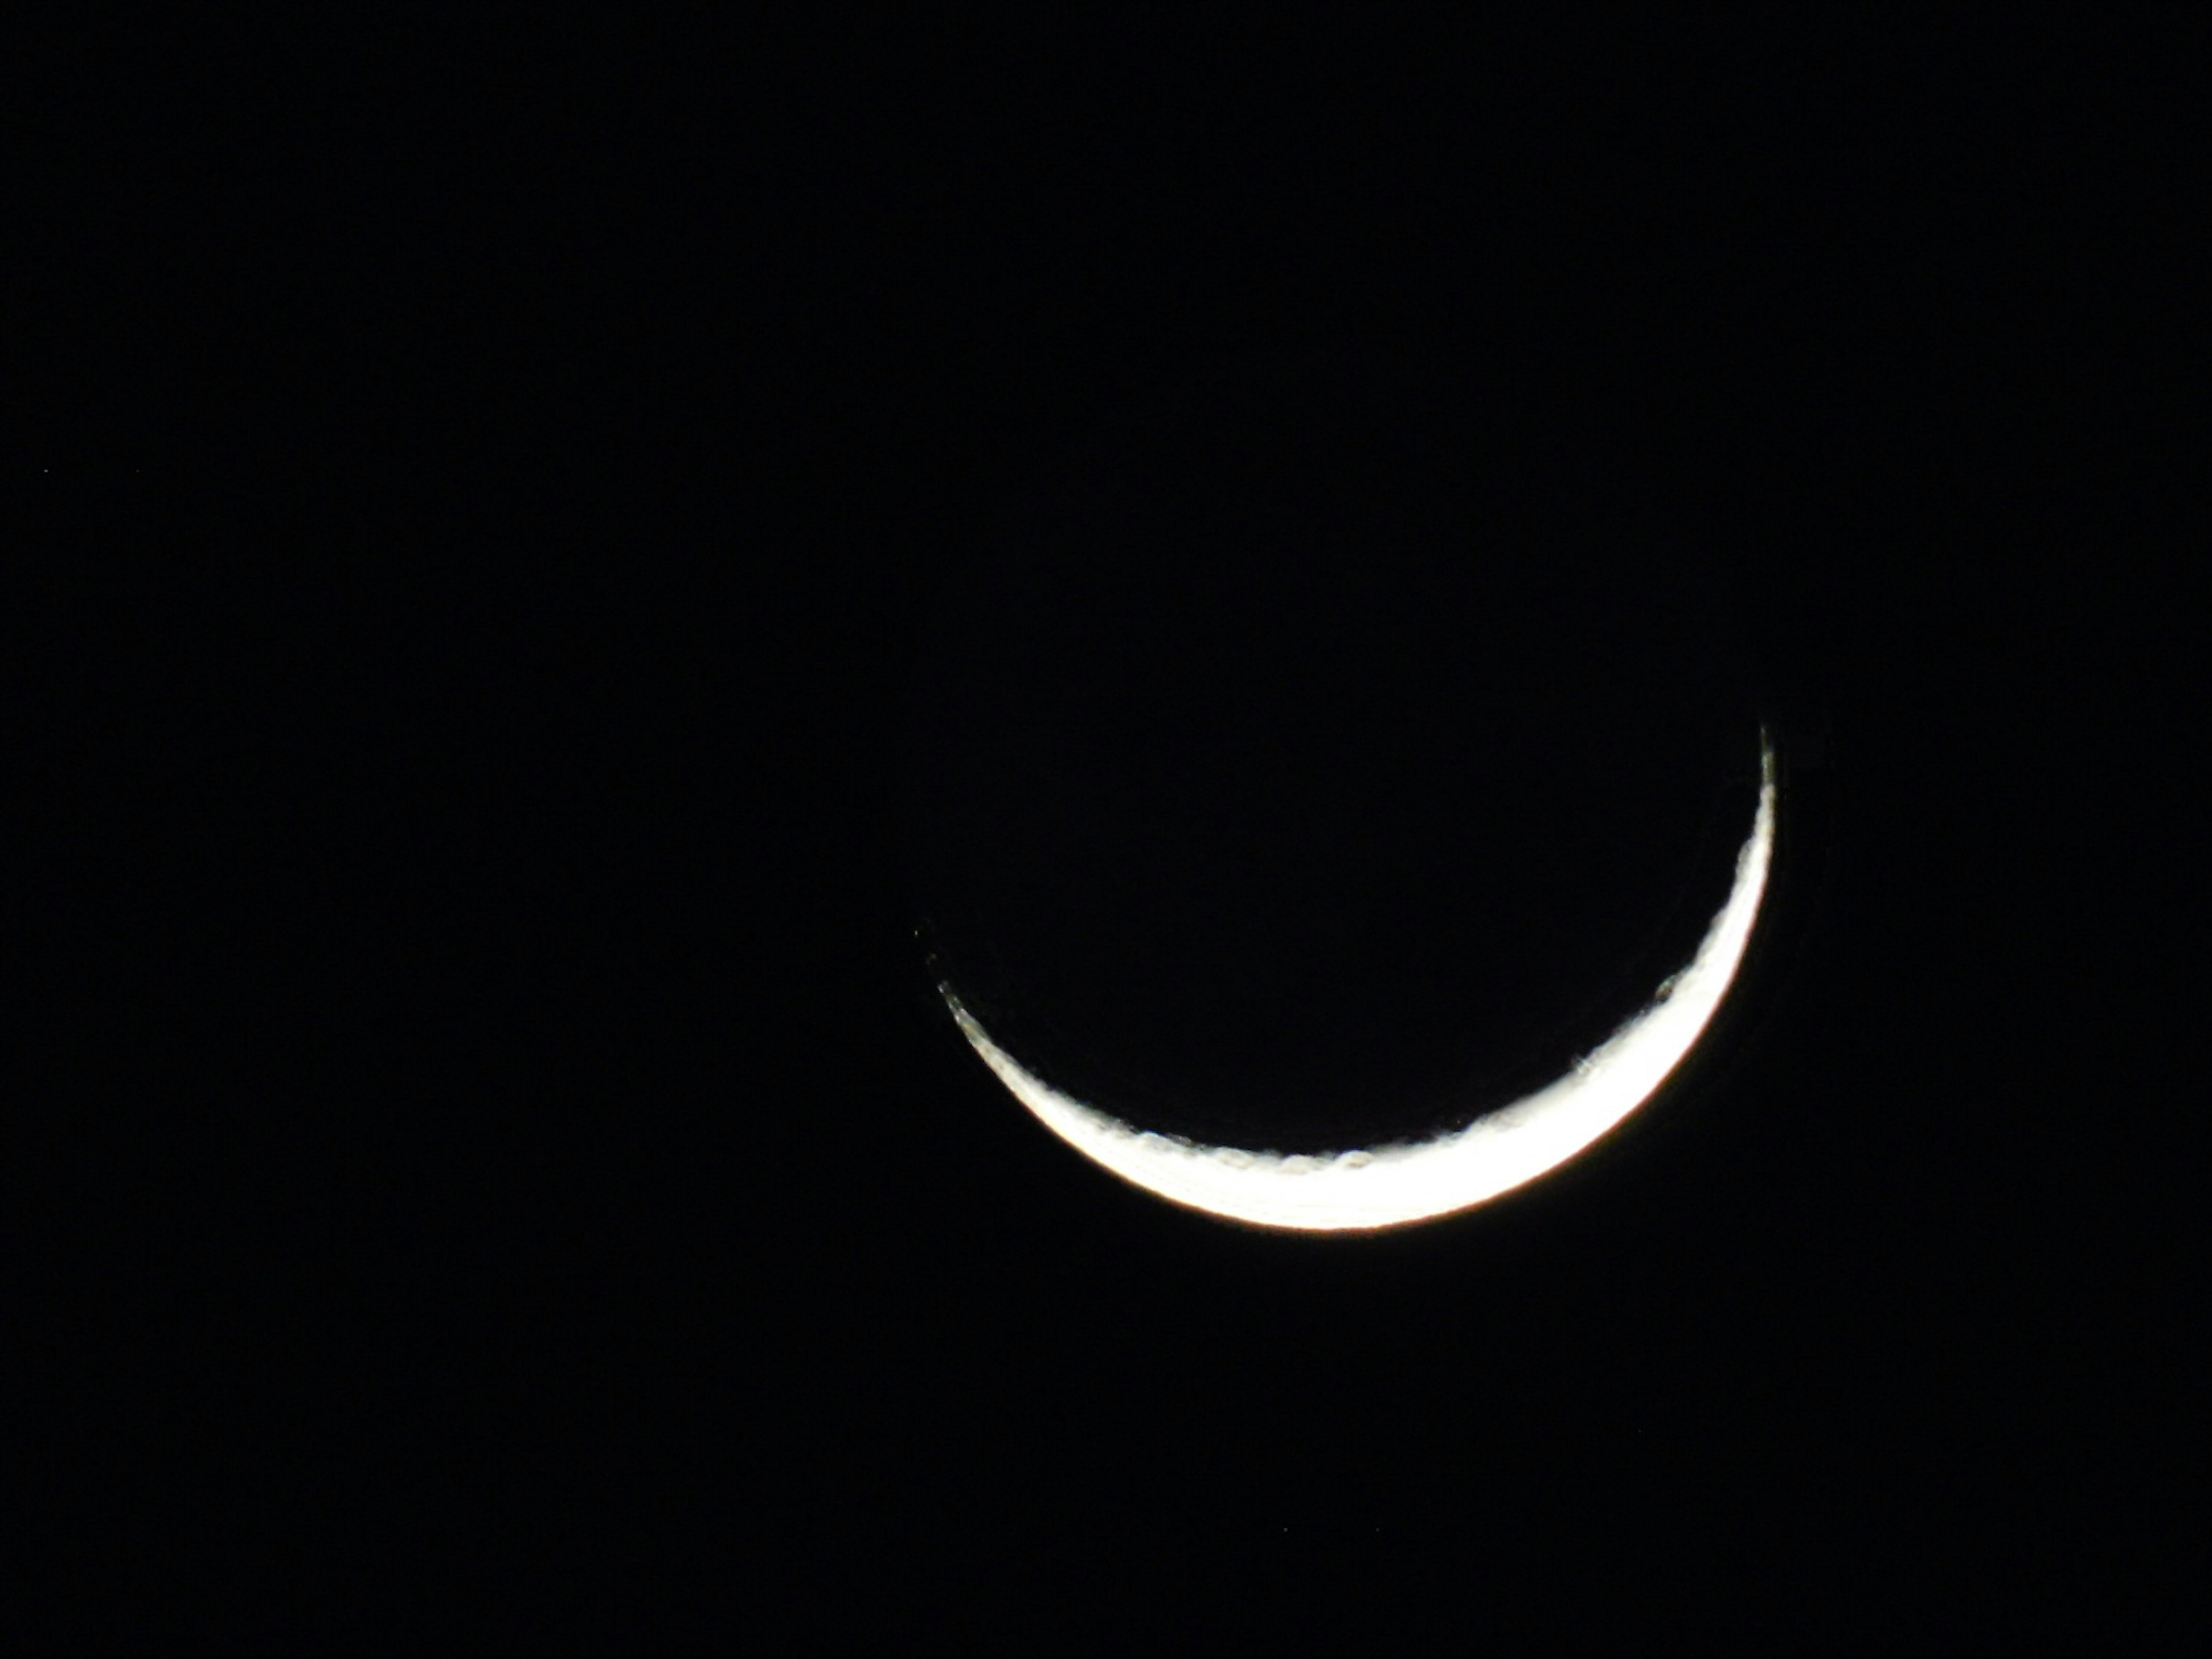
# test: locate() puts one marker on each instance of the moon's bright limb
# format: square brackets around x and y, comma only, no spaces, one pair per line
[1389,1185]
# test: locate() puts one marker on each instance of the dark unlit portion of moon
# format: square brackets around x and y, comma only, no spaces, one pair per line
[1314,762]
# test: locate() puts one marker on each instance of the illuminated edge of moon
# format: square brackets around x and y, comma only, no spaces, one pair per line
[1393,1185]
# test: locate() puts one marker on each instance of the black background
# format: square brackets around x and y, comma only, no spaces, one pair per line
[488,1141]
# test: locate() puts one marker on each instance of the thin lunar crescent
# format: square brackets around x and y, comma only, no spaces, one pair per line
[1390,1186]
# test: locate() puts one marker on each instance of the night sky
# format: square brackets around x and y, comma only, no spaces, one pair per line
[570,580]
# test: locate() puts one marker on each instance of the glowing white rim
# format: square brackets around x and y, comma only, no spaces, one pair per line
[1390,1186]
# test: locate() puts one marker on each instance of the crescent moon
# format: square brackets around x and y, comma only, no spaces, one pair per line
[1393,1185]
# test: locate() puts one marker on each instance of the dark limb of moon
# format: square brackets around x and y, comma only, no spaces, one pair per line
[1308,784]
